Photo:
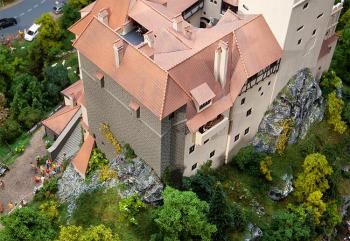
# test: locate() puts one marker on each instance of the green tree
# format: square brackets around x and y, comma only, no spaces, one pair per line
[130,207]
[289,226]
[99,233]
[26,224]
[9,131]
[183,217]
[70,233]
[49,32]
[69,17]
[201,184]
[331,218]
[314,176]
[335,108]
[346,113]
[78,4]
[330,82]
[248,159]
[225,215]
[94,233]
[315,205]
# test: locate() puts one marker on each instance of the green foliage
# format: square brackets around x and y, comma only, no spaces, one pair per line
[226,216]
[94,233]
[48,190]
[130,207]
[172,176]
[26,224]
[78,4]
[290,226]
[128,152]
[55,79]
[335,107]
[183,217]
[20,149]
[9,131]
[201,184]
[265,166]
[331,218]
[97,160]
[315,205]
[50,209]
[346,113]
[314,176]
[107,174]
[330,82]
[248,159]
[49,32]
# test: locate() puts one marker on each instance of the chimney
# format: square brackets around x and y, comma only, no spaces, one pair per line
[103,16]
[188,32]
[177,23]
[118,52]
[149,38]
[221,62]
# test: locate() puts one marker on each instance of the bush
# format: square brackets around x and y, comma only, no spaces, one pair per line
[128,152]
[335,107]
[97,160]
[48,190]
[19,149]
[50,209]
[130,207]
[9,131]
[248,159]
[346,113]
[107,174]
[265,166]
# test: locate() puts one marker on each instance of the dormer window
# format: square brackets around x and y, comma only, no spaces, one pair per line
[202,96]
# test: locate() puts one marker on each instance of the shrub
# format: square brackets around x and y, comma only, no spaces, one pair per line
[248,159]
[265,168]
[48,190]
[9,131]
[283,138]
[107,174]
[50,209]
[130,207]
[97,160]
[335,107]
[19,149]
[346,113]
[128,152]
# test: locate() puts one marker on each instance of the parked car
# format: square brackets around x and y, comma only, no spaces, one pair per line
[3,169]
[32,32]
[7,22]
[58,8]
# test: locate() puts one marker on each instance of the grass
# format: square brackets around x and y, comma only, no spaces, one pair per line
[8,154]
[101,207]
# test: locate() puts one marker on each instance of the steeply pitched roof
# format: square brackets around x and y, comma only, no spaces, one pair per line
[161,77]
[326,49]
[118,11]
[81,160]
[74,91]
[59,120]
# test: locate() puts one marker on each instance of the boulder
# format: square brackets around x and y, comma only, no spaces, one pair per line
[134,176]
[301,102]
[279,193]
[254,233]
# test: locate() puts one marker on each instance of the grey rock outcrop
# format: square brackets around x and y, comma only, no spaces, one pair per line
[301,102]
[134,176]
[279,193]
[254,233]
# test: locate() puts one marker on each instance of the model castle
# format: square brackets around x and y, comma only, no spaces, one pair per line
[187,81]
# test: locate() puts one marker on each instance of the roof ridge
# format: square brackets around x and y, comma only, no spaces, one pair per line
[65,112]
[72,85]
[82,32]
[145,2]
[240,54]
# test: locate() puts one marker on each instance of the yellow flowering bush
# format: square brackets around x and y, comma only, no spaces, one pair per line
[108,135]
[265,168]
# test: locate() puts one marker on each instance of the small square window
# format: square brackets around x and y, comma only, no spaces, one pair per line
[212,154]
[259,89]
[314,32]
[242,101]
[236,137]
[194,166]
[191,149]
[320,15]
[305,5]
[249,112]
[299,41]
[269,83]
[206,141]
[246,131]
[300,28]
[262,93]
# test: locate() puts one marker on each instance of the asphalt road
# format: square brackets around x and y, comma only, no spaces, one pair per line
[25,12]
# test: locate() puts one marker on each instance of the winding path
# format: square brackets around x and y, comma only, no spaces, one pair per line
[18,180]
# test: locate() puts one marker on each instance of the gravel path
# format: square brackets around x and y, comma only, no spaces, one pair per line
[18,180]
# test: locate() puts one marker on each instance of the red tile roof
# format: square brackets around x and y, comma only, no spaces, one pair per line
[59,120]
[74,91]
[162,77]
[81,160]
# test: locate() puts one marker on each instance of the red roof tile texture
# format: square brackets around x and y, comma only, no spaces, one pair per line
[59,120]
[81,160]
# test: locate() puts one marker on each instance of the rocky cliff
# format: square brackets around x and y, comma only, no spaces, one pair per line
[296,108]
